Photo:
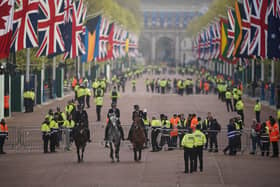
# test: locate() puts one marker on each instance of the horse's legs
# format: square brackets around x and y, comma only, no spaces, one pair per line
[112,152]
[83,150]
[117,152]
[78,154]
[135,154]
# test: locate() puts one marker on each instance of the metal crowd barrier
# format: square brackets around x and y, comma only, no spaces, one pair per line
[22,139]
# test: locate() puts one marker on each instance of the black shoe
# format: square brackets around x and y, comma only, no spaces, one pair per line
[186,172]
[216,151]
[89,140]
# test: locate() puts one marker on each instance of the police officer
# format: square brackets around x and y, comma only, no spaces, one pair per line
[3,135]
[240,107]
[231,134]
[68,126]
[257,110]
[114,95]
[99,102]
[147,124]
[155,124]
[54,134]
[45,129]
[70,108]
[200,140]
[81,93]
[238,128]
[82,118]
[87,95]
[114,111]
[188,143]
[133,82]
[228,100]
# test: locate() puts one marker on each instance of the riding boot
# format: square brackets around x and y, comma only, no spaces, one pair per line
[106,133]
[88,135]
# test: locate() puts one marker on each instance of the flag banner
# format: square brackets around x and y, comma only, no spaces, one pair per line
[224,38]
[259,27]
[92,27]
[6,26]
[218,39]
[246,28]
[237,29]
[230,34]
[51,28]
[273,40]
[25,25]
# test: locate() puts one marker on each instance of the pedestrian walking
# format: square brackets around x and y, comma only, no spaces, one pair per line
[200,140]
[231,134]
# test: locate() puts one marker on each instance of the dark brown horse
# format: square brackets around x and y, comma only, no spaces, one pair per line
[138,137]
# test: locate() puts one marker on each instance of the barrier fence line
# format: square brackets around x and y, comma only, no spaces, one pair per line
[29,139]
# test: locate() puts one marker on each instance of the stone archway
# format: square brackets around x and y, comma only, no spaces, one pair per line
[165,49]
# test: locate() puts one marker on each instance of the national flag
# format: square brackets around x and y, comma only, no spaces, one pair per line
[212,41]
[224,38]
[25,25]
[245,12]
[259,27]
[103,38]
[6,26]
[78,30]
[218,39]
[273,39]
[237,29]
[230,34]
[92,27]
[110,42]
[50,28]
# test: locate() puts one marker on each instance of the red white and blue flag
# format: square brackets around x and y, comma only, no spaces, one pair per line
[25,25]
[259,27]
[246,28]
[231,27]
[6,26]
[77,18]
[50,28]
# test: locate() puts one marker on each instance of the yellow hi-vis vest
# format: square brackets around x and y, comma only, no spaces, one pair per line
[188,141]
[258,107]
[199,137]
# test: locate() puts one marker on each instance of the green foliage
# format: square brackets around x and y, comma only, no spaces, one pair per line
[124,12]
[216,9]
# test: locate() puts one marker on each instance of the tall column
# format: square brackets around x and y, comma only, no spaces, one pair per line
[153,49]
[177,49]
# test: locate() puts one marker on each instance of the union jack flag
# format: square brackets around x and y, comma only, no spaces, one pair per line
[25,25]
[50,27]
[103,39]
[218,39]
[231,19]
[245,12]
[259,27]
[78,30]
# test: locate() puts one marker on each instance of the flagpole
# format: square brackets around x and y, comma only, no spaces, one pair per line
[89,70]
[27,75]
[53,77]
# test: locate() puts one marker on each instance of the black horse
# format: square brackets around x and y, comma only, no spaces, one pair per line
[80,136]
[138,137]
[114,137]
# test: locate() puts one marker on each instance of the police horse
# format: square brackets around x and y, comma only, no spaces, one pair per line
[138,137]
[80,136]
[114,137]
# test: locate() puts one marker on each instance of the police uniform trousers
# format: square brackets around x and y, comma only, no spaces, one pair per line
[53,139]
[189,159]
[88,101]
[98,111]
[241,113]
[258,116]
[198,155]
[81,100]
[213,141]
[265,148]
[154,135]
[46,142]
[231,146]
[275,149]
[229,104]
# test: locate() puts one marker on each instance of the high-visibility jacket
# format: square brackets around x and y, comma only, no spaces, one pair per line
[258,107]
[146,122]
[99,101]
[194,123]
[114,94]
[274,133]
[3,130]
[174,121]
[239,105]
[74,83]
[6,102]
[95,84]
[69,108]
[54,126]
[228,95]
[188,141]
[166,123]
[81,92]
[206,86]
[87,92]
[155,123]
[45,129]
[278,114]
[199,137]
[133,82]
[147,81]
[162,83]
[69,124]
